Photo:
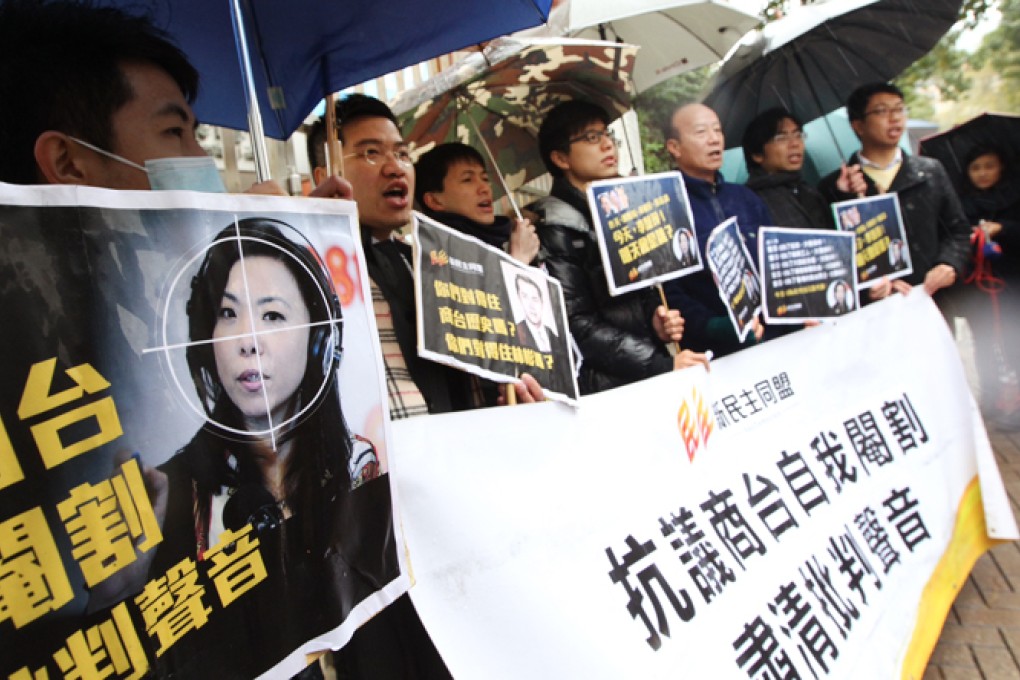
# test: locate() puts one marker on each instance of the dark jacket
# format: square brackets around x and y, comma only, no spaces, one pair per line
[791,201]
[615,335]
[708,325]
[936,228]
[445,389]
[999,204]
[496,234]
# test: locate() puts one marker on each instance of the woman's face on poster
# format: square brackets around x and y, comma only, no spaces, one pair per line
[262,361]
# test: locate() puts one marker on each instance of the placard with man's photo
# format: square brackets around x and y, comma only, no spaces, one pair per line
[481,311]
[645,230]
[882,248]
[806,274]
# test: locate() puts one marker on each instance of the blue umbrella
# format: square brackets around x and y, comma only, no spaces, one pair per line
[302,50]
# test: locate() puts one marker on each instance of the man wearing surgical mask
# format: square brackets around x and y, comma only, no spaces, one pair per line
[95,97]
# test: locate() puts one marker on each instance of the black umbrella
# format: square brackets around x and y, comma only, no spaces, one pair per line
[811,60]
[996,130]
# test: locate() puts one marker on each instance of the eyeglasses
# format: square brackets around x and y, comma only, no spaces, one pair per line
[375,154]
[885,111]
[787,137]
[593,137]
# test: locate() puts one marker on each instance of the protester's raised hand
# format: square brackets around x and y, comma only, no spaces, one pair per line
[668,324]
[938,277]
[688,358]
[524,243]
[333,186]
[851,180]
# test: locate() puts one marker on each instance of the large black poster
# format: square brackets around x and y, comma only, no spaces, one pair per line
[193,445]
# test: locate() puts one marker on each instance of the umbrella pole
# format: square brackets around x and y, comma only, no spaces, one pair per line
[334,150]
[492,160]
[665,303]
[258,137]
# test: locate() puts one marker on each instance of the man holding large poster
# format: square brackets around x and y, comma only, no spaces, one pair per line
[621,338]
[937,231]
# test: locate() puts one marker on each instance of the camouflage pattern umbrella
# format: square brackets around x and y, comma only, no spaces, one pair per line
[505,92]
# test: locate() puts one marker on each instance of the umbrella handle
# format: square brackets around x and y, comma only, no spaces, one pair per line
[492,161]
[334,149]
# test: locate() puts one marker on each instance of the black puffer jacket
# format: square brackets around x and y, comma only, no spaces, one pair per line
[937,230]
[791,201]
[614,334]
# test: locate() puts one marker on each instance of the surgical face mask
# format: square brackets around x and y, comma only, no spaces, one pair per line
[194,173]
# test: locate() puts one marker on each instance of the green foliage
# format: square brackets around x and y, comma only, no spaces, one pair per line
[1000,50]
[654,107]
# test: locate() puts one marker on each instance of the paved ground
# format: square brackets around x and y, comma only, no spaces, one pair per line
[981,638]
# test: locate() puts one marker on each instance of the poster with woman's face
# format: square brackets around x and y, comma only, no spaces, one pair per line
[194,433]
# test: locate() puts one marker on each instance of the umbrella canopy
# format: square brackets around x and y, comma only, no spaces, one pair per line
[811,60]
[996,130]
[302,50]
[507,90]
[675,36]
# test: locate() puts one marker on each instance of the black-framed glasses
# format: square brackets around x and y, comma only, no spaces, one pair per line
[886,111]
[593,137]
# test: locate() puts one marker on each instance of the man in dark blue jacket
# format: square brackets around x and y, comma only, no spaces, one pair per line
[694,139]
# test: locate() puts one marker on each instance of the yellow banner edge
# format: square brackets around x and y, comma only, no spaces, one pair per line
[969,542]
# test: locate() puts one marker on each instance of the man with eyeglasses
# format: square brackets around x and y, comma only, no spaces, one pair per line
[937,230]
[774,151]
[694,140]
[377,163]
[621,338]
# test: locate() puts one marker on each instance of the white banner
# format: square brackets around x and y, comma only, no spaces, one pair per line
[810,507]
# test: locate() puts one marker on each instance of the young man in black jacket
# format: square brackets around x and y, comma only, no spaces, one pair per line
[937,230]
[452,187]
[621,338]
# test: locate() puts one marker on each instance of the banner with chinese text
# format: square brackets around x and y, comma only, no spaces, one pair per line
[481,311]
[193,454]
[644,229]
[792,513]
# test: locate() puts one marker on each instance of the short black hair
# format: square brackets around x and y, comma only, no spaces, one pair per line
[61,69]
[348,109]
[563,122]
[857,102]
[761,130]
[357,106]
[430,170]
[976,153]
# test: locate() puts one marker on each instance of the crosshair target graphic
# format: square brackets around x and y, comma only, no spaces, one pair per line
[264,329]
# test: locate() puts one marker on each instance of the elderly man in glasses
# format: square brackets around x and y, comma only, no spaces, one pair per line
[621,339]
[937,230]
[774,150]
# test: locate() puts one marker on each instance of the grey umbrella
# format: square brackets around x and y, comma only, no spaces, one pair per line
[812,59]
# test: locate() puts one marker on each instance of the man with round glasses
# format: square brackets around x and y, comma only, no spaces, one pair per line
[774,151]
[938,233]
